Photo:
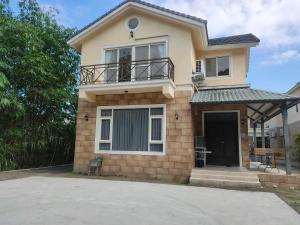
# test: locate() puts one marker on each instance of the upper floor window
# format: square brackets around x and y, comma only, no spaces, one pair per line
[198,66]
[218,66]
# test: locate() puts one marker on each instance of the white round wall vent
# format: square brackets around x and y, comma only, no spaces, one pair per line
[133,23]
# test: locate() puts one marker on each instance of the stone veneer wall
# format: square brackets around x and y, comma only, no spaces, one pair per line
[176,164]
[280,181]
[197,118]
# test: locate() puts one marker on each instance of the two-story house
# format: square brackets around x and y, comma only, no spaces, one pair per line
[139,108]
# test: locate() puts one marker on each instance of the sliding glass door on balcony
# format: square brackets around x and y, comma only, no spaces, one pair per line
[118,65]
[158,68]
[148,63]
[142,62]
[136,63]
[125,60]
[111,70]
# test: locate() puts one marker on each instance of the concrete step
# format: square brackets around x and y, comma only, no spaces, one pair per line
[226,177]
[225,173]
[224,183]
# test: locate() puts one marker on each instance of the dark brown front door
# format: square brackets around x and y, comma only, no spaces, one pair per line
[221,135]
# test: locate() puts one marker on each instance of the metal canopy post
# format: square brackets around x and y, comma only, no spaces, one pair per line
[254,136]
[288,165]
[263,143]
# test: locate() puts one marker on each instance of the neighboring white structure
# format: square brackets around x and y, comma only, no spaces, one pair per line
[258,134]
[275,124]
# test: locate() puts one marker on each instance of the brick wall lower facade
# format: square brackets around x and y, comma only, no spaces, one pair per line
[176,164]
[178,160]
[197,118]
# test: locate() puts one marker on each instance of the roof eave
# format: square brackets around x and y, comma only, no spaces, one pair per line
[246,102]
[293,88]
[230,46]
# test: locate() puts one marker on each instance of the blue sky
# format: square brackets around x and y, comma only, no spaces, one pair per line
[274,64]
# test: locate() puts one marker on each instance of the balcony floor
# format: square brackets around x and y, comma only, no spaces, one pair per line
[89,92]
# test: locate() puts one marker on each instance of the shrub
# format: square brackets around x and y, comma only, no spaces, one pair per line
[297,146]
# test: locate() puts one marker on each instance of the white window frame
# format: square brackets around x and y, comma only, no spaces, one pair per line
[115,67]
[101,118]
[202,66]
[217,76]
[150,141]
[111,151]
[133,47]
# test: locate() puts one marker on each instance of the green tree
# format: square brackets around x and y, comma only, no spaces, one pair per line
[38,78]
[297,146]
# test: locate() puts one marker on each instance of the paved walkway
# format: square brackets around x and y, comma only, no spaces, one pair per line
[55,200]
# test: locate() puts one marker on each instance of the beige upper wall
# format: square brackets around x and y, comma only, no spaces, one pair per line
[179,42]
[238,66]
[180,47]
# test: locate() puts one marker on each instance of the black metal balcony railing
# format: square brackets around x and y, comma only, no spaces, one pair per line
[141,70]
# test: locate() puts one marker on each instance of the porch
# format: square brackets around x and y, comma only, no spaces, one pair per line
[225,130]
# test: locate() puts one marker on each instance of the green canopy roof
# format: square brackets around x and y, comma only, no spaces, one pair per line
[239,95]
[261,104]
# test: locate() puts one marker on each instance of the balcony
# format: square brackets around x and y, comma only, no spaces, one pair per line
[155,75]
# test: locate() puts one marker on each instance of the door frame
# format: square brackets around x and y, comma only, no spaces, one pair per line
[239,128]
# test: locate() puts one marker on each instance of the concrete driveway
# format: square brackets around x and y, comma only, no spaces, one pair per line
[59,201]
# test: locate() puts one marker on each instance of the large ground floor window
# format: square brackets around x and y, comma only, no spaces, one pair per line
[131,129]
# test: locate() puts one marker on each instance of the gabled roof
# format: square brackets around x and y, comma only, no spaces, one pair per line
[211,43]
[145,4]
[192,20]
[236,39]
[239,95]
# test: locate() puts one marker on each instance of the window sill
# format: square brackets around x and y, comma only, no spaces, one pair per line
[130,153]
[218,77]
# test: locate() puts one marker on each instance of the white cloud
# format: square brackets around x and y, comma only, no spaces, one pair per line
[283,57]
[60,13]
[275,22]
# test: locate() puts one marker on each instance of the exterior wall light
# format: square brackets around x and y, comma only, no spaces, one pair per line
[243,121]
[86,117]
[176,115]
[131,34]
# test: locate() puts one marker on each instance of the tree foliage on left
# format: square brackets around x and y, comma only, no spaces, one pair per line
[38,78]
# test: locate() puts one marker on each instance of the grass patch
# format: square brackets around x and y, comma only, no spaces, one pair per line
[291,197]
